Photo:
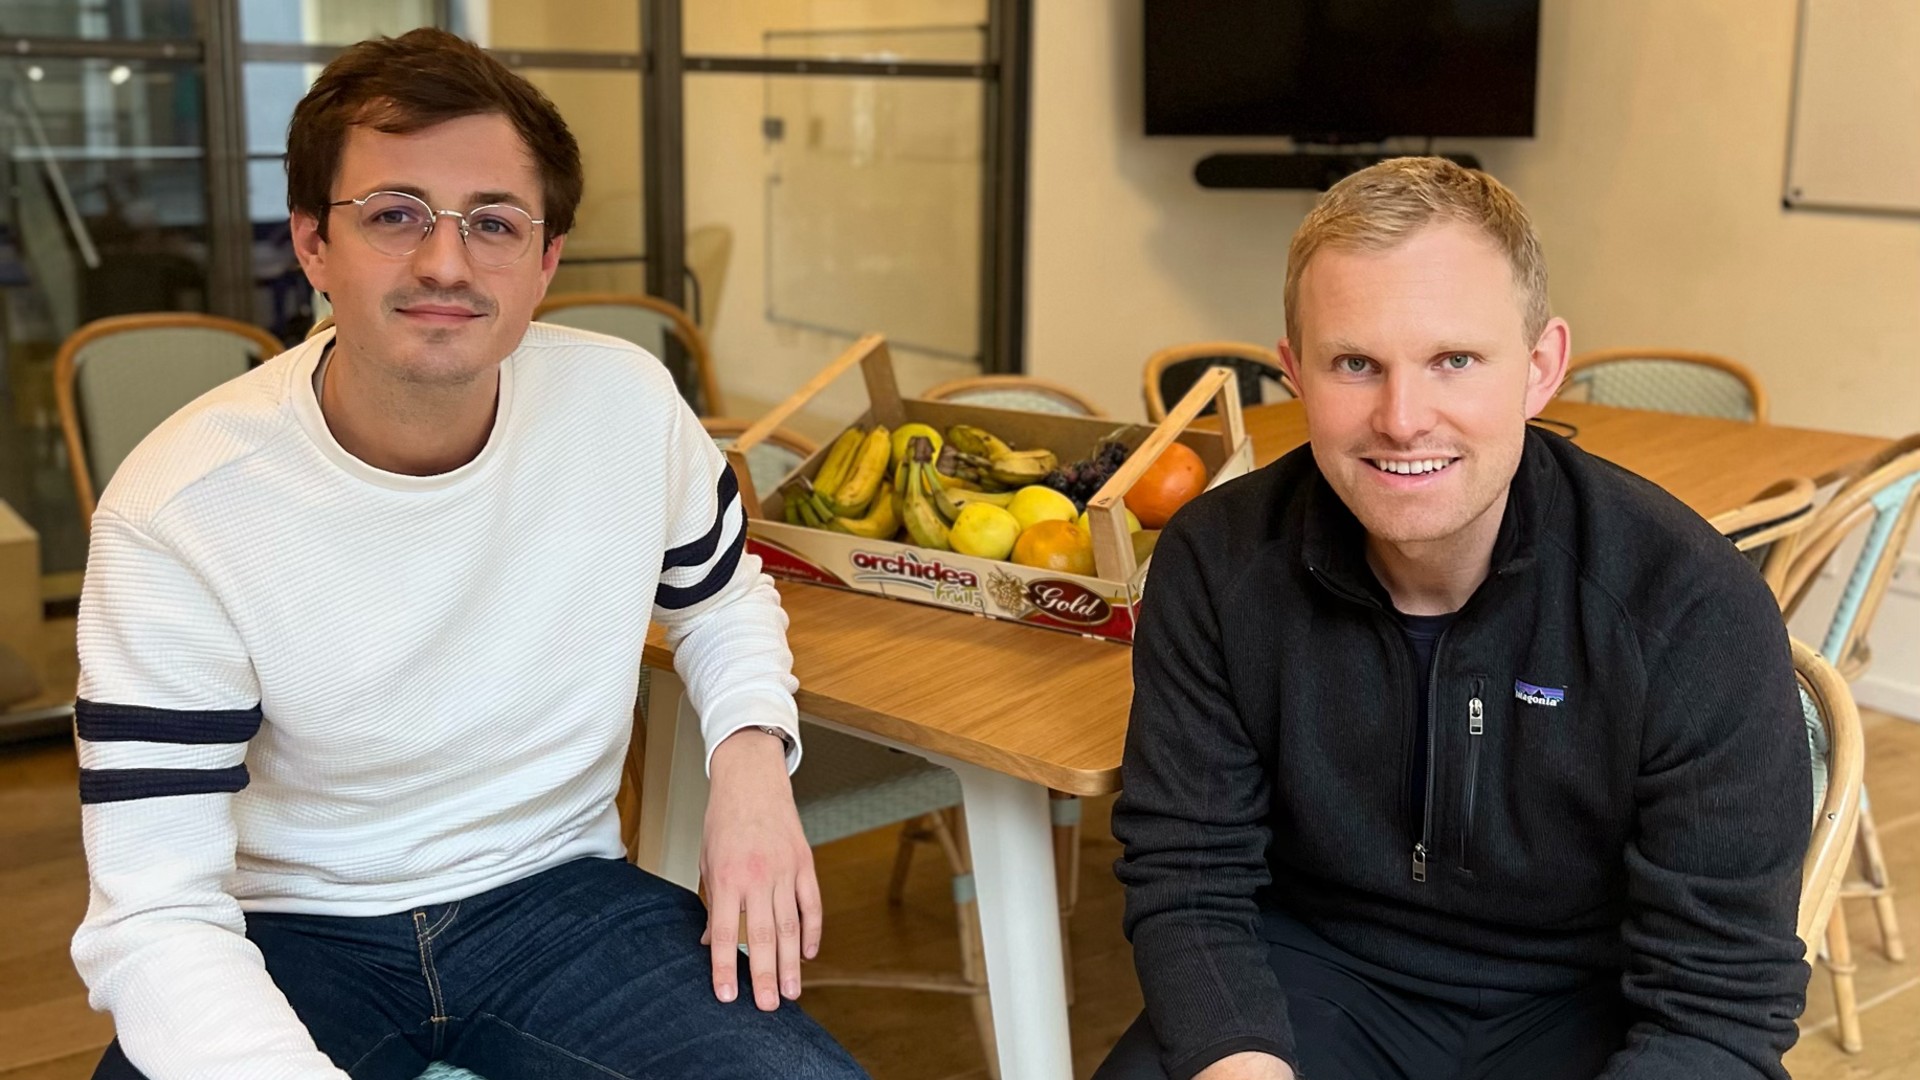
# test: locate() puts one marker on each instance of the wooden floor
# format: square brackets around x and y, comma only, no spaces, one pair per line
[48,1033]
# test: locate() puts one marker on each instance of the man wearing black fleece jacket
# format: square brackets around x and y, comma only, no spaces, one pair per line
[1455,751]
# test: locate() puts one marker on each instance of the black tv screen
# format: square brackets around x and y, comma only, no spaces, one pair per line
[1341,70]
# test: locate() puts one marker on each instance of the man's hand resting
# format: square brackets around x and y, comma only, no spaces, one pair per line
[754,858]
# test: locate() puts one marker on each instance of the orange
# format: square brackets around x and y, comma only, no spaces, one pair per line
[1055,545]
[1174,478]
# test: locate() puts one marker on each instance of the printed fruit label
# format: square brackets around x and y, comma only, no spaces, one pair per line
[1069,601]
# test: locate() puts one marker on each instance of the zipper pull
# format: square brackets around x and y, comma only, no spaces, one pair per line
[1476,717]
[1419,862]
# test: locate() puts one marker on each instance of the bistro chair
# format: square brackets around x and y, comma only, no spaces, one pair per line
[1838,755]
[648,322]
[1767,528]
[1022,392]
[116,379]
[1171,372]
[773,460]
[1668,380]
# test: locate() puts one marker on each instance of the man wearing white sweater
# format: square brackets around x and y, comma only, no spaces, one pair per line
[360,642]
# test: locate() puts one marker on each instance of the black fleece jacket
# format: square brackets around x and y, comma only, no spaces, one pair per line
[1618,783]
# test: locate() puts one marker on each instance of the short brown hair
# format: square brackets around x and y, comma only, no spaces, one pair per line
[409,83]
[1385,204]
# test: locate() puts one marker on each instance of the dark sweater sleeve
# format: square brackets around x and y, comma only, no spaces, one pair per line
[1192,821]
[1724,809]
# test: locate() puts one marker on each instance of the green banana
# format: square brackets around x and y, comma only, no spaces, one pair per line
[863,480]
[923,521]
[839,459]
[881,522]
[1023,467]
[977,441]
[810,513]
[791,509]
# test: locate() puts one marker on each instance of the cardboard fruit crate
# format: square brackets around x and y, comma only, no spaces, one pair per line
[1102,605]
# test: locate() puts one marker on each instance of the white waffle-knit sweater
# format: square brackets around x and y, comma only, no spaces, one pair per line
[310,685]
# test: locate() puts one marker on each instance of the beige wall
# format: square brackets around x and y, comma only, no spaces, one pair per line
[1655,184]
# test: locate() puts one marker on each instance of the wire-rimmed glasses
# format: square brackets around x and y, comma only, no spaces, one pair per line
[396,223]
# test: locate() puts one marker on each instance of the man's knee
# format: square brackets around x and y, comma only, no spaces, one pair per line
[1135,1057]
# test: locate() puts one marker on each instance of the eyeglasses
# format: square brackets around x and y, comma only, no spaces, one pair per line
[396,223]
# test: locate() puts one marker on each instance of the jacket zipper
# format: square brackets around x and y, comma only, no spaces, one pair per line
[1425,845]
[1476,727]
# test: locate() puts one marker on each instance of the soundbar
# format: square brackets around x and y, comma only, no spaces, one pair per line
[1315,172]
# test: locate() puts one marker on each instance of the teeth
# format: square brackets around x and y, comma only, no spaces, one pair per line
[1413,468]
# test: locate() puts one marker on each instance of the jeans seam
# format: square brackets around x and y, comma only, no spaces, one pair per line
[556,1048]
[445,921]
[384,1040]
[427,971]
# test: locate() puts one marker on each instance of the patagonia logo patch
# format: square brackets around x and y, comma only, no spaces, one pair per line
[1548,696]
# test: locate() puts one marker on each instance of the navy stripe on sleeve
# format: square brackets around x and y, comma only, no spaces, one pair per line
[98,721]
[673,599]
[699,551]
[122,785]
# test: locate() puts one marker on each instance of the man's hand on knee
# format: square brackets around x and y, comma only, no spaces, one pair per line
[755,859]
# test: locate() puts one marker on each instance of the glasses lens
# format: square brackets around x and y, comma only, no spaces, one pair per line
[498,235]
[393,223]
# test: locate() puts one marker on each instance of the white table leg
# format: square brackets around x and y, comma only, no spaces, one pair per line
[673,791]
[1010,828]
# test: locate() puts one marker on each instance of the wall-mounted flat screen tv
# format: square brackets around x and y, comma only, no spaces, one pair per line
[1341,70]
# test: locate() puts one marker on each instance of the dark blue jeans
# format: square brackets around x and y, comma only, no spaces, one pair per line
[590,971]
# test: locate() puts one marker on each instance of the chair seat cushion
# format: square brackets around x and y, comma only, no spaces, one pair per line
[847,785]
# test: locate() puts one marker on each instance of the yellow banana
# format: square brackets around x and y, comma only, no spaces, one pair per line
[977,441]
[839,459]
[880,523]
[923,521]
[943,501]
[997,498]
[869,470]
[1023,467]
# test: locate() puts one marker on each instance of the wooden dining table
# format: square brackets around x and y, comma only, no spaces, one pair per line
[1017,711]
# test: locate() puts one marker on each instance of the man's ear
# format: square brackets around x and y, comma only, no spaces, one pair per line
[1289,361]
[549,262]
[1547,367]
[310,248]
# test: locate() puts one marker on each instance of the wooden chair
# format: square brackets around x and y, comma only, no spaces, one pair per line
[1767,529]
[1668,380]
[1022,392]
[1882,497]
[116,379]
[1838,754]
[1171,372]
[773,460]
[648,322]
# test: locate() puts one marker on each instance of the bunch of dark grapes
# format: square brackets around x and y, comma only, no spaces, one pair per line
[1082,480]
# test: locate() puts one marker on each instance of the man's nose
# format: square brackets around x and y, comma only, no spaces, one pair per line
[1404,412]
[442,257]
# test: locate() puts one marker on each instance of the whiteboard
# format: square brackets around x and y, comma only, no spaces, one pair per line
[1855,142]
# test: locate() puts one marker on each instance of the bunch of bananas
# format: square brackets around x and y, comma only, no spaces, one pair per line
[980,459]
[863,490]
[850,493]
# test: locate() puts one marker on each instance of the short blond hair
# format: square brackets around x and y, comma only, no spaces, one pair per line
[1385,204]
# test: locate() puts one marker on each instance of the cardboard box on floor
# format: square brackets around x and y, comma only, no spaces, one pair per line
[20,610]
[1102,605]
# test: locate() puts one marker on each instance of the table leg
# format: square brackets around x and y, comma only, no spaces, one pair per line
[1010,830]
[673,794]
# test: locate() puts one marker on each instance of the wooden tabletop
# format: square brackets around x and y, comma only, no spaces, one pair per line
[1052,708]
